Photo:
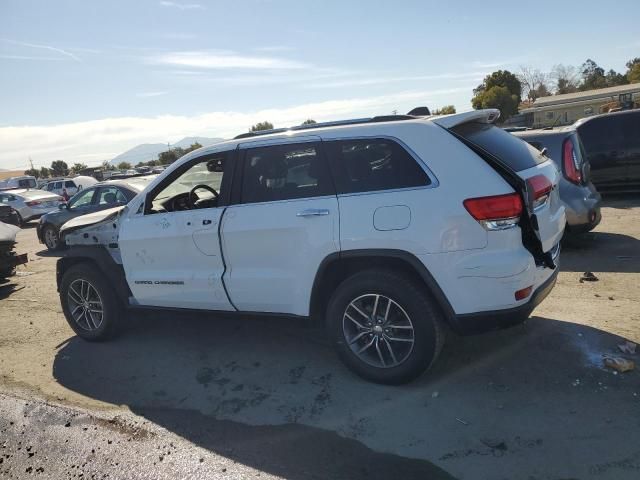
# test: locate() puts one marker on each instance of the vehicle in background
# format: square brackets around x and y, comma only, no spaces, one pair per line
[612,145]
[9,260]
[157,169]
[383,229]
[101,196]
[30,204]
[8,215]
[71,185]
[23,181]
[580,198]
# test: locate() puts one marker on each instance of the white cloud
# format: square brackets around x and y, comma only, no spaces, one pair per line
[49,48]
[150,94]
[223,60]
[80,141]
[182,6]
[274,48]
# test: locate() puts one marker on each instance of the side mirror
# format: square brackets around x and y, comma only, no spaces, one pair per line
[63,205]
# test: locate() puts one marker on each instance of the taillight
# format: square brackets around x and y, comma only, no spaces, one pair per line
[540,187]
[570,163]
[32,203]
[497,212]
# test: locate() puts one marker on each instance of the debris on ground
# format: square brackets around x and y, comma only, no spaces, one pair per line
[494,444]
[588,277]
[628,347]
[619,364]
[611,298]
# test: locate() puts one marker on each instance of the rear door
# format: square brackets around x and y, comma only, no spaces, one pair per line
[517,157]
[630,127]
[604,145]
[283,224]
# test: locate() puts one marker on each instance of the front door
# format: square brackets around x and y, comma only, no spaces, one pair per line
[170,248]
[284,223]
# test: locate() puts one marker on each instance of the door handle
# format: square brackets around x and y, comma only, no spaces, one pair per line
[313,212]
[206,222]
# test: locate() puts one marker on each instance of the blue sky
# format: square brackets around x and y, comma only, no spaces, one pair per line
[86,80]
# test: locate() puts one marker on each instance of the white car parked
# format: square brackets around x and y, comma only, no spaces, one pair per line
[71,185]
[383,229]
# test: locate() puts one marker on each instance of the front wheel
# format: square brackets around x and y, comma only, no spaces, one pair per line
[51,238]
[90,305]
[384,326]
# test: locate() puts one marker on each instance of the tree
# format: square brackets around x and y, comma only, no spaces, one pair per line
[592,76]
[446,110]
[309,121]
[77,167]
[566,77]
[106,166]
[633,72]
[534,83]
[500,78]
[44,172]
[500,98]
[261,126]
[614,78]
[124,166]
[34,172]
[59,168]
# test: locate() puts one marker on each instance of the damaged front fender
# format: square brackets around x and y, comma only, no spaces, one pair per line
[99,228]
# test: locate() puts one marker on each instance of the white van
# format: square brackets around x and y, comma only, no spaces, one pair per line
[72,185]
[23,181]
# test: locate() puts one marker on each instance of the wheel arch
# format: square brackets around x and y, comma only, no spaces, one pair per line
[99,258]
[340,265]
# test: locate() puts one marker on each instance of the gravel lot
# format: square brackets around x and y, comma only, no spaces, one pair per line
[231,398]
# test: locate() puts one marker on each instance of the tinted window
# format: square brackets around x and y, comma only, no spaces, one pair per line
[283,172]
[111,196]
[27,183]
[511,150]
[69,184]
[372,165]
[57,185]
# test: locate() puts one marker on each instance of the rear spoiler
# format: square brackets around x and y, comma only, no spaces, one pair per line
[488,115]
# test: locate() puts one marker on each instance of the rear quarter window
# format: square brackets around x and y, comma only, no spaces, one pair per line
[511,150]
[373,165]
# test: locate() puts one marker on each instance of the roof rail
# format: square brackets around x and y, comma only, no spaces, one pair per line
[335,123]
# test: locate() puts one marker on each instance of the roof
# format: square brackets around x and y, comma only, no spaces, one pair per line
[586,95]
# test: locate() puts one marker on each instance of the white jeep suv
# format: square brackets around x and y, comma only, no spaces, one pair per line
[385,229]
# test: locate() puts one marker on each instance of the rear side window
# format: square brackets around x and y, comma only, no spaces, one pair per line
[511,150]
[283,172]
[69,184]
[373,165]
[27,183]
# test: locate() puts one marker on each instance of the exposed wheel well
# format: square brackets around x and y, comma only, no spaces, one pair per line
[338,267]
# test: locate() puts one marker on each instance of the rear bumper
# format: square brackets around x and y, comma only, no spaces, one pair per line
[582,206]
[474,323]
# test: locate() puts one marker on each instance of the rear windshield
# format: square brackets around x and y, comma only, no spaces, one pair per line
[27,183]
[511,150]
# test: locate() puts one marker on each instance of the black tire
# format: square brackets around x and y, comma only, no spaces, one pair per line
[422,313]
[112,310]
[54,232]
[20,223]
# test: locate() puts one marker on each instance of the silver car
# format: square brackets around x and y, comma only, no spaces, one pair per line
[30,203]
[579,196]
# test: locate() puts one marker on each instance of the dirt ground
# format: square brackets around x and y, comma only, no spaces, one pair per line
[531,402]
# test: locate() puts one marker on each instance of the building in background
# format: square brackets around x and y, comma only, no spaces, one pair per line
[557,110]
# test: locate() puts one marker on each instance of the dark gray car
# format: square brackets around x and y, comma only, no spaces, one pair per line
[98,197]
[579,195]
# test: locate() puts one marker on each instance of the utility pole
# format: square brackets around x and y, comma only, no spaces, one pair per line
[31,163]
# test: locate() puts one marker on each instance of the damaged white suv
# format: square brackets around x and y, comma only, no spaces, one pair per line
[385,229]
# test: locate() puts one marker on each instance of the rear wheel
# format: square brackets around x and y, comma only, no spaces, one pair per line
[90,305]
[384,326]
[51,237]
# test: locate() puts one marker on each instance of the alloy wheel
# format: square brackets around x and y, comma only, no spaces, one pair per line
[85,305]
[378,330]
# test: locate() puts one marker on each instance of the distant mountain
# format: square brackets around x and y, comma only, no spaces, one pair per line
[150,151]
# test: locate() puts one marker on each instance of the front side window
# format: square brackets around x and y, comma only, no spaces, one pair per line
[196,187]
[69,184]
[283,172]
[81,199]
[373,165]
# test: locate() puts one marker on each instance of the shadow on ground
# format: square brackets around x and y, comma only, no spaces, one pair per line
[271,394]
[600,252]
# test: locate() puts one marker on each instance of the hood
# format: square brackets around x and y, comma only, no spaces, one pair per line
[91,219]
[8,232]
